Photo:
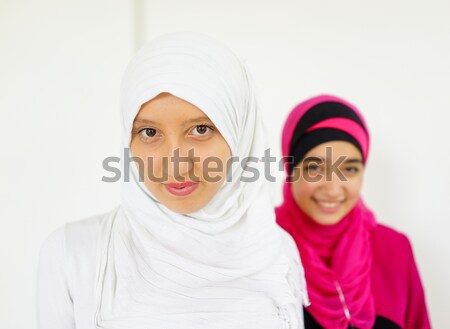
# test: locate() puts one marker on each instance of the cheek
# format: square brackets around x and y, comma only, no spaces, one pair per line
[134,146]
[137,152]
[302,192]
[149,162]
[215,157]
[354,190]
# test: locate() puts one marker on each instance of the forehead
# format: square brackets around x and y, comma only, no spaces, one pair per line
[168,108]
[334,150]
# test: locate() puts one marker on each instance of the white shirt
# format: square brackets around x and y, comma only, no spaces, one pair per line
[67,274]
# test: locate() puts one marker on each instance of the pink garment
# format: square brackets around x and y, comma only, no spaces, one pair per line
[337,261]
[349,273]
[337,258]
[396,286]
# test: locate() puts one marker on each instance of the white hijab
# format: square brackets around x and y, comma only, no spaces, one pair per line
[222,267]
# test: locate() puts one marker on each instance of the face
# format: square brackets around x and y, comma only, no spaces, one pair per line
[182,155]
[327,182]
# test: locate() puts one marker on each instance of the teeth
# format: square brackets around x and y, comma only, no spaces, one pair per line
[329,204]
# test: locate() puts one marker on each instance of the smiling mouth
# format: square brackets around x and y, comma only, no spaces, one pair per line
[181,189]
[328,206]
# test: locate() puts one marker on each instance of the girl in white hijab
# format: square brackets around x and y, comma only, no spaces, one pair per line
[185,251]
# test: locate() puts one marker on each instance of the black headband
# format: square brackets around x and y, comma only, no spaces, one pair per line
[302,141]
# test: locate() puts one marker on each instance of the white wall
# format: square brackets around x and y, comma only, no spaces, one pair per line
[61,63]
[59,109]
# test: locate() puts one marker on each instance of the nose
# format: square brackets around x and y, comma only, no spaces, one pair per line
[181,161]
[332,187]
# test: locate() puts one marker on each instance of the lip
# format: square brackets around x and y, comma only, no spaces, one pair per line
[329,207]
[181,189]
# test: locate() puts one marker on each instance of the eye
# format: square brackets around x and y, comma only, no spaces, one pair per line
[201,130]
[351,170]
[312,167]
[147,134]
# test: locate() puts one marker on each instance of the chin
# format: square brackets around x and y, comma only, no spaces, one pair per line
[327,220]
[183,209]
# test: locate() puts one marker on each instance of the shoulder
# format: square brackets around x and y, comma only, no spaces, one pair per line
[288,244]
[296,276]
[388,237]
[392,253]
[84,231]
[74,237]
[66,272]
[394,274]
[67,259]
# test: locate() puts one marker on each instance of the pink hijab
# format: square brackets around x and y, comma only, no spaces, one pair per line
[340,293]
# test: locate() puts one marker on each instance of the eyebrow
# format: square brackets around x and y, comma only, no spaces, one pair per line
[144,121]
[313,159]
[353,160]
[322,160]
[193,120]
[197,120]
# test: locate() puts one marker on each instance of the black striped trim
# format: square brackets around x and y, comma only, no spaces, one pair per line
[300,144]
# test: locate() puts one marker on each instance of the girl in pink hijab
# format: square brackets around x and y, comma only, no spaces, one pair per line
[359,273]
